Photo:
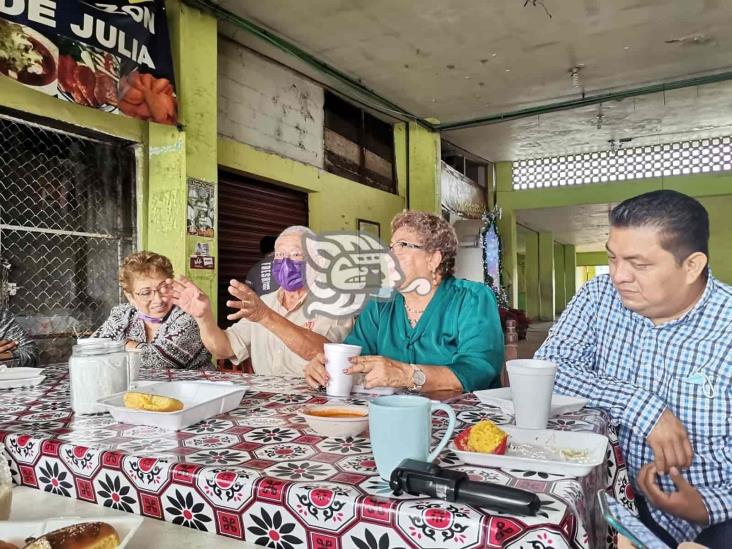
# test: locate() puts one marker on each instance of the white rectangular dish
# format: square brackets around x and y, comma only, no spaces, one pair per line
[553,442]
[17,383]
[201,400]
[7,374]
[502,398]
[17,531]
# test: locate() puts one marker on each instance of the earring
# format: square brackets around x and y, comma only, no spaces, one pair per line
[434,277]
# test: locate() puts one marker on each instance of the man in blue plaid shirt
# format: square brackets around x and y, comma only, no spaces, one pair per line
[652,344]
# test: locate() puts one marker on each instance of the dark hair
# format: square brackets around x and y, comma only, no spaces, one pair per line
[681,219]
[267,244]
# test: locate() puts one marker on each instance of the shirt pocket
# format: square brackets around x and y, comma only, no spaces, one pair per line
[701,401]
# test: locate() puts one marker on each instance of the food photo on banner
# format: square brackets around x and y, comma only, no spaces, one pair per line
[113,56]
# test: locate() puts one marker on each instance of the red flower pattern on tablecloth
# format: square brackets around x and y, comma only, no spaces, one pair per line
[261,459]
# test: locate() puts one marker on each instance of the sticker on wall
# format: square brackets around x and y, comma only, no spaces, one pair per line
[202,262]
[201,208]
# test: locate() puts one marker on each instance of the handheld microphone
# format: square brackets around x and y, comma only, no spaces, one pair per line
[422,478]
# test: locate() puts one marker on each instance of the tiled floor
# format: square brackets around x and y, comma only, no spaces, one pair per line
[535,336]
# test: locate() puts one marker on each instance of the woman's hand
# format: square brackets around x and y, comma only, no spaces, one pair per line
[189,297]
[250,306]
[380,371]
[315,373]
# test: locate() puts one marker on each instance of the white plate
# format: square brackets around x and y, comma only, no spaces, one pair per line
[16,531]
[201,400]
[19,373]
[595,444]
[16,383]
[502,398]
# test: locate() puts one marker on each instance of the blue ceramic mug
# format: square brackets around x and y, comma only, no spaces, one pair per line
[401,427]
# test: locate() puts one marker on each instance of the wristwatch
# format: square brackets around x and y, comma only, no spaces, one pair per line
[418,378]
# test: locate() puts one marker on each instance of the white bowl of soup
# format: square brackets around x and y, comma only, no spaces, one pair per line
[336,420]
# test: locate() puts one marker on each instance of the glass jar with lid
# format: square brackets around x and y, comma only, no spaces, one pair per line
[97,370]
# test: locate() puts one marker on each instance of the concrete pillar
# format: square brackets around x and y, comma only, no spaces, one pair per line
[417,156]
[507,230]
[546,276]
[570,270]
[195,44]
[560,297]
[533,300]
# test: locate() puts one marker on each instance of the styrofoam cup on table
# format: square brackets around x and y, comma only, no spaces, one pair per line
[336,361]
[201,400]
[532,385]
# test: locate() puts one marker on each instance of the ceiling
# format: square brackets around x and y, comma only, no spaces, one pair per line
[453,60]
[586,227]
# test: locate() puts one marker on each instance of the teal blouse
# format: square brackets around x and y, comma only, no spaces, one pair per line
[460,329]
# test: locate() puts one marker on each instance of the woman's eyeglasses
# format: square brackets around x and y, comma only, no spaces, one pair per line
[400,245]
[146,294]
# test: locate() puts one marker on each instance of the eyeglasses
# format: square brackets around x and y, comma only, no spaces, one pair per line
[400,245]
[146,294]
[295,256]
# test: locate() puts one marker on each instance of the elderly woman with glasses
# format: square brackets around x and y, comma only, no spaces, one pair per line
[167,336]
[438,333]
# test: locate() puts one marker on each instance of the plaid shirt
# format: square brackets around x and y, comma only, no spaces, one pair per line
[634,370]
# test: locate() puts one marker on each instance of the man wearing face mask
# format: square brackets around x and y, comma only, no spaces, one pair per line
[272,329]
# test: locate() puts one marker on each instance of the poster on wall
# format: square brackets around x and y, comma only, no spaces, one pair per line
[113,56]
[201,207]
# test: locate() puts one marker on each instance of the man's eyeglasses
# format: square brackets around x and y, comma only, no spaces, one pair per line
[400,245]
[146,294]
[295,256]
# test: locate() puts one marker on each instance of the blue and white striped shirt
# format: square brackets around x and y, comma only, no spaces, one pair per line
[634,370]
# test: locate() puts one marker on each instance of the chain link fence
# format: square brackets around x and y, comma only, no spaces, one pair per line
[66,221]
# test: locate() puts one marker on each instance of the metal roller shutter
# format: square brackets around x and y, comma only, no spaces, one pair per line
[248,210]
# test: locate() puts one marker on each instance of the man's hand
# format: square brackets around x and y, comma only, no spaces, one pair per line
[670,443]
[685,503]
[189,297]
[380,371]
[7,345]
[315,374]
[250,306]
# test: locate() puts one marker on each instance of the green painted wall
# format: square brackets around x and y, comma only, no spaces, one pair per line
[570,272]
[560,295]
[507,228]
[585,259]
[335,203]
[533,304]
[521,272]
[546,276]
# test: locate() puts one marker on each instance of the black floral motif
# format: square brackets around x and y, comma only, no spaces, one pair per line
[370,541]
[297,471]
[546,507]
[449,458]
[186,512]
[208,426]
[217,457]
[346,445]
[115,495]
[272,532]
[532,474]
[455,529]
[54,479]
[274,434]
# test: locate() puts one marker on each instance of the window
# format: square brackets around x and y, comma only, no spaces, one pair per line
[358,146]
[689,157]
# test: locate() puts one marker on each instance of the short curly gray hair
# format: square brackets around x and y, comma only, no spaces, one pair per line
[436,235]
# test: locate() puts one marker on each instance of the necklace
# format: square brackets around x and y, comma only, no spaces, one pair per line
[413,311]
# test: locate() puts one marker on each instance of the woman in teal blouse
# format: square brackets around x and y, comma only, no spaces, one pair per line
[444,336]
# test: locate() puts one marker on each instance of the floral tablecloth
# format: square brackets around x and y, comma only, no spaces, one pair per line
[258,473]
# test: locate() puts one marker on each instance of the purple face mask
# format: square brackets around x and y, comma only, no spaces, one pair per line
[288,273]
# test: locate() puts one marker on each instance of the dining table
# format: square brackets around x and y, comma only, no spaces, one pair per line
[259,473]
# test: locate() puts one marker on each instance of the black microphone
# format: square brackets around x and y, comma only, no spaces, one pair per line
[422,478]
